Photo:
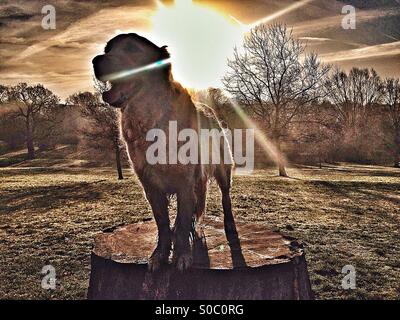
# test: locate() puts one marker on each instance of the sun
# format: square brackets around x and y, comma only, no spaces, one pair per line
[199,39]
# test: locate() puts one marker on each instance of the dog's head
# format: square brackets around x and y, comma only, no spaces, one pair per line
[128,61]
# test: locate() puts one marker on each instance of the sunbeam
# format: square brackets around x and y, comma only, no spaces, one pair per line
[267,146]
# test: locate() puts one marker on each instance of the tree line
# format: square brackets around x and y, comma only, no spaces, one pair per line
[34,116]
[295,97]
[303,106]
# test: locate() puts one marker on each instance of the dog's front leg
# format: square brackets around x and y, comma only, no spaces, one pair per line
[183,225]
[159,206]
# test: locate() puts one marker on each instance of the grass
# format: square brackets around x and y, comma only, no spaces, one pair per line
[343,214]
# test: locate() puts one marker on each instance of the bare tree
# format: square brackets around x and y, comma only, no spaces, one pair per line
[33,104]
[275,79]
[391,99]
[353,96]
[103,123]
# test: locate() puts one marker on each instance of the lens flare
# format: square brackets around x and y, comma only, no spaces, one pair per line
[131,72]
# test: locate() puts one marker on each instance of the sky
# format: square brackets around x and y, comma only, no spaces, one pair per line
[200,35]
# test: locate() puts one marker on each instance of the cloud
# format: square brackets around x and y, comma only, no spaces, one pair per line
[90,28]
[12,40]
[335,21]
[315,39]
[381,50]
[13,12]
[61,59]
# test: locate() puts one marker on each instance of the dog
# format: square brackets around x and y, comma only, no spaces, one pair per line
[149,100]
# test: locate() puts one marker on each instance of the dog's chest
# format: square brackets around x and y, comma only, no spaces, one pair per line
[134,128]
[135,125]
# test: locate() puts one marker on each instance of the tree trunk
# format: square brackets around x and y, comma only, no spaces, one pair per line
[118,160]
[29,140]
[282,169]
[397,155]
[273,266]
[281,161]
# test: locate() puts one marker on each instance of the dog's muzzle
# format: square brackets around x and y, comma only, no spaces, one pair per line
[100,67]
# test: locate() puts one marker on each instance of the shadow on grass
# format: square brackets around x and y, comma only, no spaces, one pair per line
[52,196]
[352,190]
[354,170]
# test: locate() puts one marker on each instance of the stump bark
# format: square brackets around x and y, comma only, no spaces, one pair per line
[258,265]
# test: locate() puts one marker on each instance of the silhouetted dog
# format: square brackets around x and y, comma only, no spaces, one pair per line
[148,100]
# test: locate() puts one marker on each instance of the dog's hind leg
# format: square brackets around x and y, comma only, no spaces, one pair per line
[223,176]
[186,201]
[159,206]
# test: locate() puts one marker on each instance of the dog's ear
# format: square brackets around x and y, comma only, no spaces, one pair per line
[164,54]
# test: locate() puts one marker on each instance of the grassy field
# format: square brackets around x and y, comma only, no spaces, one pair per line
[344,215]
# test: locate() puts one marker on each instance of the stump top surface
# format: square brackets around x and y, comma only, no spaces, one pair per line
[259,246]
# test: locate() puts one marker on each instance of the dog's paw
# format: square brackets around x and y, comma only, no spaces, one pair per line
[184,261]
[156,260]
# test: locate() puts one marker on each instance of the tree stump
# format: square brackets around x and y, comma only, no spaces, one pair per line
[258,265]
